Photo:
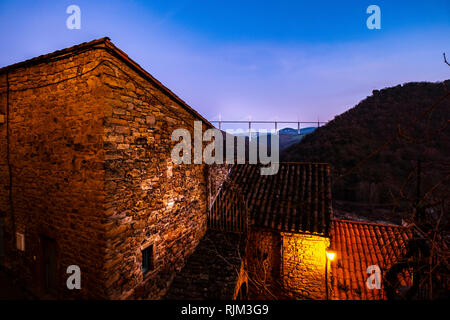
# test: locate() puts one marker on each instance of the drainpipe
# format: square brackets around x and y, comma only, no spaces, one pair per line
[326,277]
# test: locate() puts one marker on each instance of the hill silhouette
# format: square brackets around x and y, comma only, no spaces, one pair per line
[395,120]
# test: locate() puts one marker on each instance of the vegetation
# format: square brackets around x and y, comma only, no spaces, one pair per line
[375,148]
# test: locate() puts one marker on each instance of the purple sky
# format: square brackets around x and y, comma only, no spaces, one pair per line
[280,60]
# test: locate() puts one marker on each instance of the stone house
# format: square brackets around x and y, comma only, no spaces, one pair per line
[289,217]
[295,248]
[86,179]
[86,176]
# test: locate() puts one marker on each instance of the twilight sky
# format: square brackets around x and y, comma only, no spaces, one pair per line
[284,60]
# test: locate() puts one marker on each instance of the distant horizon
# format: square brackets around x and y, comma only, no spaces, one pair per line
[306,61]
[253,120]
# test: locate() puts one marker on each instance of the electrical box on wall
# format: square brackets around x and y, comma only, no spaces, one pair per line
[20,241]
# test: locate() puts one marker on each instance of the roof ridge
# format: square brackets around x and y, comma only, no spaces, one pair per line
[367,223]
[118,53]
[55,53]
[287,163]
[161,86]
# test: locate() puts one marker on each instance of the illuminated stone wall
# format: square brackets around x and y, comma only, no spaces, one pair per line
[149,199]
[90,157]
[303,265]
[57,171]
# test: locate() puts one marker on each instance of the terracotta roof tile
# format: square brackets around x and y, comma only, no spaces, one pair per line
[297,198]
[359,245]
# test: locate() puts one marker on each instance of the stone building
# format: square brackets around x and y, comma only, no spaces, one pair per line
[289,216]
[295,248]
[87,178]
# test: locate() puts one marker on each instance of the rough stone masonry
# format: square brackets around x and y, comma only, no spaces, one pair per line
[85,165]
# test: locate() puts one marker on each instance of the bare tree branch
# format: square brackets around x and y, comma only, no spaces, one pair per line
[445,60]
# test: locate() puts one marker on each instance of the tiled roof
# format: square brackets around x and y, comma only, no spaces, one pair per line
[359,245]
[212,271]
[297,198]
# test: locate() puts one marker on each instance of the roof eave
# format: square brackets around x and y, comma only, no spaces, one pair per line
[118,53]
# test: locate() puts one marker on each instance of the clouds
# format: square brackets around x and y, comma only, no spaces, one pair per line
[265,77]
[272,80]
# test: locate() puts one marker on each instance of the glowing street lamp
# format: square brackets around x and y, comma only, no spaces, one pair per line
[331,255]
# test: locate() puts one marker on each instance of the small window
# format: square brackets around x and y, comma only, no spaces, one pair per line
[147,259]
[20,241]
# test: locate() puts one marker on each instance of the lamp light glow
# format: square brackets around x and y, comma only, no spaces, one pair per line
[331,255]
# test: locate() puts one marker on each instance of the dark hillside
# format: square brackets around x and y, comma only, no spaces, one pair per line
[388,115]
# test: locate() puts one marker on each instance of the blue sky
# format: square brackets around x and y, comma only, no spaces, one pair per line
[285,60]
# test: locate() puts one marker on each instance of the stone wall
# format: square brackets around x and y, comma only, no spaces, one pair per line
[263,258]
[217,173]
[4,172]
[56,155]
[90,157]
[149,199]
[303,265]
[285,265]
